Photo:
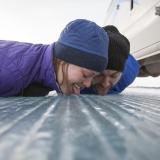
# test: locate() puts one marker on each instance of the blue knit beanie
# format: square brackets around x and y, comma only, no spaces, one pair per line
[83,43]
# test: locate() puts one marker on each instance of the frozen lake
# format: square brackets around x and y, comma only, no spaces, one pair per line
[120,127]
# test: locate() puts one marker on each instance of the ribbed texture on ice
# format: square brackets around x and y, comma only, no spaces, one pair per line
[119,127]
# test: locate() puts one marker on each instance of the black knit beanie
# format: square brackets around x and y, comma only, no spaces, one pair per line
[119,48]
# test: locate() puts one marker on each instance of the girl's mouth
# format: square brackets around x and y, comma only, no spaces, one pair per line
[76,89]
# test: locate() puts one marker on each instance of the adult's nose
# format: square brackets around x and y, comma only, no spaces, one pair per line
[106,82]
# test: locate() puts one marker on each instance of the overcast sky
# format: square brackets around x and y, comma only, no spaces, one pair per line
[41,21]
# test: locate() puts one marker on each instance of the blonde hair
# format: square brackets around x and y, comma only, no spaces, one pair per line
[64,69]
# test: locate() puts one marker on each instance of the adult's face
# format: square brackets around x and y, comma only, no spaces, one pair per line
[105,81]
[76,78]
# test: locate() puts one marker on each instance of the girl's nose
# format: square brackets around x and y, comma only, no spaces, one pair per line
[87,82]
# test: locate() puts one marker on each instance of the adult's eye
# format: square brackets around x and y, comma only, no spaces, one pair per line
[114,76]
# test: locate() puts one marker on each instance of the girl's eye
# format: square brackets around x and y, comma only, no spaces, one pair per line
[86,76]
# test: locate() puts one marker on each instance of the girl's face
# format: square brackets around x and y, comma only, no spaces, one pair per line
[76,78]
[106,80]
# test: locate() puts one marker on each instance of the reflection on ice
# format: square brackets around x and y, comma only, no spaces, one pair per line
[125,126]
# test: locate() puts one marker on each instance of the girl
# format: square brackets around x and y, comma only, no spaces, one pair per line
[66,66]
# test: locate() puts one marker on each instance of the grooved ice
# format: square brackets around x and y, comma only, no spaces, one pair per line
[80,127]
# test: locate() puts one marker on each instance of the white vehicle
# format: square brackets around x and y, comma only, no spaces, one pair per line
[139,21]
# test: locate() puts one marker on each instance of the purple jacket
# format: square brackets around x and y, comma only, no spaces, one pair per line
[22,64]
